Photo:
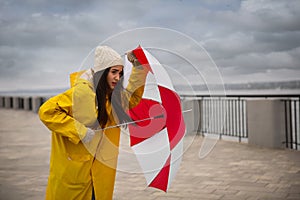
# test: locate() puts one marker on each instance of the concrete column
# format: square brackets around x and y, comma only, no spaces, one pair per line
[191,115]
[8,102]
[36,103]
[266,123]
[15,102]
[2,102]
[27,103]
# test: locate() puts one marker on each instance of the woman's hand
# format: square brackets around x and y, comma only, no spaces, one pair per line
[88,136]
[131,58]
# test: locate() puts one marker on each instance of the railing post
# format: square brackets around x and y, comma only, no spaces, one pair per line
[266,123]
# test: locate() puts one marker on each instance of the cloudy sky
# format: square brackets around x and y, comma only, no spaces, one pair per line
[42,42]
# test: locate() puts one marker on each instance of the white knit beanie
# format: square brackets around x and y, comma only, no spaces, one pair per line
[106,57]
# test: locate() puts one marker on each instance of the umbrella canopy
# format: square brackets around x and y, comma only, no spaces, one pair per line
[158,141]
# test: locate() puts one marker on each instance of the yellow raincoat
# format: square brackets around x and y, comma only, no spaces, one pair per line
[76,168]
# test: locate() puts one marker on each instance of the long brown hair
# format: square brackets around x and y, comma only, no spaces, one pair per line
[102,90]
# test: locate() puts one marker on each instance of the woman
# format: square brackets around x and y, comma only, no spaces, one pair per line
[83,161]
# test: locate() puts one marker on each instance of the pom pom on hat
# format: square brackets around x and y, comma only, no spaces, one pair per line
[106,57]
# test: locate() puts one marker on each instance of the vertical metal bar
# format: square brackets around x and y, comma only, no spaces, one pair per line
[218,115]
[246,119]
[213,116]
[205,115]
[235,118]
[199,124]
[242,118]
[203,119]
[208,116]
[286,123]
[228,117]
[215,131]
[290,123]
[239,119]
[222,115]
[295,123]
[205,108]
[298,117]
[231,117]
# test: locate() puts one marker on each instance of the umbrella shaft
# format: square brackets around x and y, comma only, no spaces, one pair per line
[133,122]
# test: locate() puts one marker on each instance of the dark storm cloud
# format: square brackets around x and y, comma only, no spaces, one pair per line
[46,40]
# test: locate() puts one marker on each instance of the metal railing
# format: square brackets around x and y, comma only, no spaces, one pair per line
[223,116]
[22,102]
[292,123]
[227,115]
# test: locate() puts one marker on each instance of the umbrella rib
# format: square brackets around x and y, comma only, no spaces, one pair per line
[133,122]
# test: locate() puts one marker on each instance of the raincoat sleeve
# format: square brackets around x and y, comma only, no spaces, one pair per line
[58,113]
[135,89]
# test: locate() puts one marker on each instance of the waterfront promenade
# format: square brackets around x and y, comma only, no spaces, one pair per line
[233,171]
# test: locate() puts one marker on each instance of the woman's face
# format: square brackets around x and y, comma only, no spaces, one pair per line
[114,75]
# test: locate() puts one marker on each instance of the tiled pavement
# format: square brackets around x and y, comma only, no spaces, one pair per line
[230,171]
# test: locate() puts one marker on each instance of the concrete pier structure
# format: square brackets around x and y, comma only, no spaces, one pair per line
[266,123]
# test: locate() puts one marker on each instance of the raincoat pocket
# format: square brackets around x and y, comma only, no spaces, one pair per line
[77,170]
[79,158]
[108,153]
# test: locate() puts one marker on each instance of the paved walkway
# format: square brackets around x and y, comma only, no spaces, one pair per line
[231,170]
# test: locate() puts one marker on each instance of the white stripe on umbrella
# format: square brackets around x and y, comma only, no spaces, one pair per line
[160,154]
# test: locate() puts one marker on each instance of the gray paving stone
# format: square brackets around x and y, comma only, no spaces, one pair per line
[232,170]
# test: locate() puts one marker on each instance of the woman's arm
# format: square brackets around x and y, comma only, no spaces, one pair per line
[136,83]
[63,116]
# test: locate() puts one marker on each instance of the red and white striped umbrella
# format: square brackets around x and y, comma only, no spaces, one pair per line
[157,137]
